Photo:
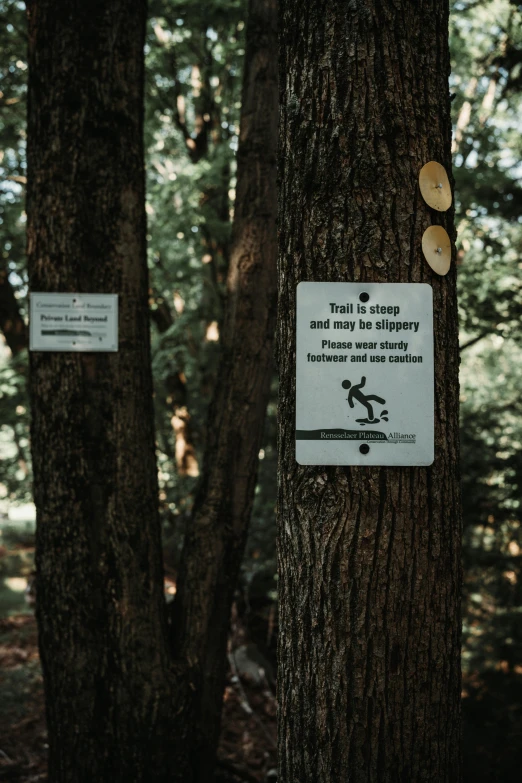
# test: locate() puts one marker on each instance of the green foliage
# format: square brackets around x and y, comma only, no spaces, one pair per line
[486,43]
[487,51]
[14,424]
[194,73]
[13,70]
[194,60]
[14,431]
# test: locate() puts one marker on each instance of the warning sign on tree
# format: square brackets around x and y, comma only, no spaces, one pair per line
[364,374]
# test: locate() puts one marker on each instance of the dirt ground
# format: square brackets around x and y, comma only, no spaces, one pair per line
[247,748]
[492,703]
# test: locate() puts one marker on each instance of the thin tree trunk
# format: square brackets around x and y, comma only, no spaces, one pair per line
[215,542]
[369,557]
[176,398]
[11,322]
[111,687]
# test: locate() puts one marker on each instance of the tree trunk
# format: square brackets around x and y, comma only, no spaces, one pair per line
[215,542]
[120,705]
[111,687]
[176,398]
[11,322]
[369,557]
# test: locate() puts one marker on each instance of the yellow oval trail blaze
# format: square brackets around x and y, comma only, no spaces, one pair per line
[436,246]
[435,187]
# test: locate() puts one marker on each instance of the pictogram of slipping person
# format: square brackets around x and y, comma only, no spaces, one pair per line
[356,394]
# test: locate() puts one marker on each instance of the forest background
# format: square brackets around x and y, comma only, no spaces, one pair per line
[194,61]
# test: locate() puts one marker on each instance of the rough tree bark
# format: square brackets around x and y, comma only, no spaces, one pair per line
[127,698]
[216,539]
[112,689]
[369,558]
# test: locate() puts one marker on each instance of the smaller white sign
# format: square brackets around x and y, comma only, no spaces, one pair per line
[73,322]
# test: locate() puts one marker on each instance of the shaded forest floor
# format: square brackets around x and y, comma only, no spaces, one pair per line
[492,710]
[247,749]
[492,700]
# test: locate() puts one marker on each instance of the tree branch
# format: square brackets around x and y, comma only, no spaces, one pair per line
[474,340]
